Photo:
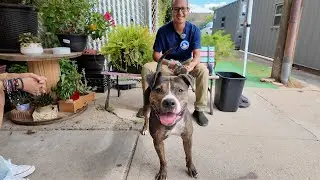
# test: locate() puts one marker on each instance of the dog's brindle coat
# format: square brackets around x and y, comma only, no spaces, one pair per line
[169,94]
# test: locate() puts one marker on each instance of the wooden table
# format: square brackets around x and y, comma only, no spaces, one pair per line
[46,65]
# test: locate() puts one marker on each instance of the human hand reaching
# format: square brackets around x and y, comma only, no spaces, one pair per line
[40,79]
[32,86]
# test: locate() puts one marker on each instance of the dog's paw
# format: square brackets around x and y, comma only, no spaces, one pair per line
[144,131]
[192,171]
[162,175]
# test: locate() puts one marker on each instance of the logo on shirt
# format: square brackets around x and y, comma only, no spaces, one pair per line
[184,45]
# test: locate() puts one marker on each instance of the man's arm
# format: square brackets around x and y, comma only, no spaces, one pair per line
[195,45]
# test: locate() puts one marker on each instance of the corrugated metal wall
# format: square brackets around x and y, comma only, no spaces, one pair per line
[307,51]
[233,20]
[230,12]
[263,36]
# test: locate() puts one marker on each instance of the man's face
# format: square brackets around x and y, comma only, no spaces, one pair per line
[180,11]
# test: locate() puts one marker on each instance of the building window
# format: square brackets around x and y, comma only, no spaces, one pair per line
[223,19]
[277,15]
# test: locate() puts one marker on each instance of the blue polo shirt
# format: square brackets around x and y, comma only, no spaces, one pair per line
[168,38]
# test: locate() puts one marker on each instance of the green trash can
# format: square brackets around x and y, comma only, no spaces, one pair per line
[228,91]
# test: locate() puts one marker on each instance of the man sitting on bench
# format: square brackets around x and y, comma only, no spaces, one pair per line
[187,38]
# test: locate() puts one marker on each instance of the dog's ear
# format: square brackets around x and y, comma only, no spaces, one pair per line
[188,79]
[152,79]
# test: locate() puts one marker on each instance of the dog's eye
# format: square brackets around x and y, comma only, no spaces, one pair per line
[180,90]
[158,90]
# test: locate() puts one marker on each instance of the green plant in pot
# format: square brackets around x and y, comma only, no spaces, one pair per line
[85,91]
[20,100]
[129,48]
[83,87]
[98,26]
[44,108]
[68,20]
[69,78]
[30,44]
[17,17]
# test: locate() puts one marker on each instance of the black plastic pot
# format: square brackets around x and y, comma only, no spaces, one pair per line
[76,42]
[93,65]
[14,20]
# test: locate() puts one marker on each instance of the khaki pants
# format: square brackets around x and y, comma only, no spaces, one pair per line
[200,72]
[2,99]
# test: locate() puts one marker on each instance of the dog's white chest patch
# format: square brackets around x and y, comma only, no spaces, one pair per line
[178,128]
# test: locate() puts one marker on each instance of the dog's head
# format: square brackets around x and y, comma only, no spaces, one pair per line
[169,95]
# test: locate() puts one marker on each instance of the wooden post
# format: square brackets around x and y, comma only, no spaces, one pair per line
[292,34]
[278,57]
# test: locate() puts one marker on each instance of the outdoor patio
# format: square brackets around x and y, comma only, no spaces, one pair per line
[272,139]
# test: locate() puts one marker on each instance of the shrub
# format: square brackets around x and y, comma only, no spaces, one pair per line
[221,41]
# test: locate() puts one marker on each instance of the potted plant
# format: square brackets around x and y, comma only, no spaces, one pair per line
[17,17]
[129,48]
[66,89]
[92,60]
[85,91]
[21,102]
[68,20]
[30,44]
[44,108]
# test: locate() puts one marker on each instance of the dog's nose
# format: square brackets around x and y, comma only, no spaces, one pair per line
[169,103]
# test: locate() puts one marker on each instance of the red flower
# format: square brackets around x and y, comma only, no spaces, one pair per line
[75,96]
[107,16]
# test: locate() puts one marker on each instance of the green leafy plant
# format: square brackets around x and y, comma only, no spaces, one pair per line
[20,97]
[50,40]
[18,68]
[42,100]
[66,16]
[83,87]
[69,79]
[28,38]
[222,42]
[129,46]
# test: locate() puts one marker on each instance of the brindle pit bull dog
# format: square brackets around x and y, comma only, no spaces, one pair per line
[166,114]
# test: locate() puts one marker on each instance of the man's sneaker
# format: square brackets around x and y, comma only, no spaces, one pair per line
[20,171]
[14,178]
[140,113]
[200,118]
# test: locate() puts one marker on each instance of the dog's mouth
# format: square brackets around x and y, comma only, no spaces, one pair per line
[169,118]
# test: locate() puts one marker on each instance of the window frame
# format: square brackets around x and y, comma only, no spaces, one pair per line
[277,15]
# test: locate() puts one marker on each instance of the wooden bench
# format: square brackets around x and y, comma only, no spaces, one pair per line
[207,56]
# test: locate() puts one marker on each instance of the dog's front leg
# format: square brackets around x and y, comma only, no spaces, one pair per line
[146,113]
[187,146]
[159,146]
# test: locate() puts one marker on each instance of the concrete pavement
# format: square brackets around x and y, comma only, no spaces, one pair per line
[265,141]
[277,137]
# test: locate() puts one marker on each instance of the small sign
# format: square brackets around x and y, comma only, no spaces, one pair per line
[67,41]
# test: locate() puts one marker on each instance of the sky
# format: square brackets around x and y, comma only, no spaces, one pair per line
[202,6]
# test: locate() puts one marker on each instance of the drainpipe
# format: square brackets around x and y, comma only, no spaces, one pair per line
[248,27]
[293,28]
